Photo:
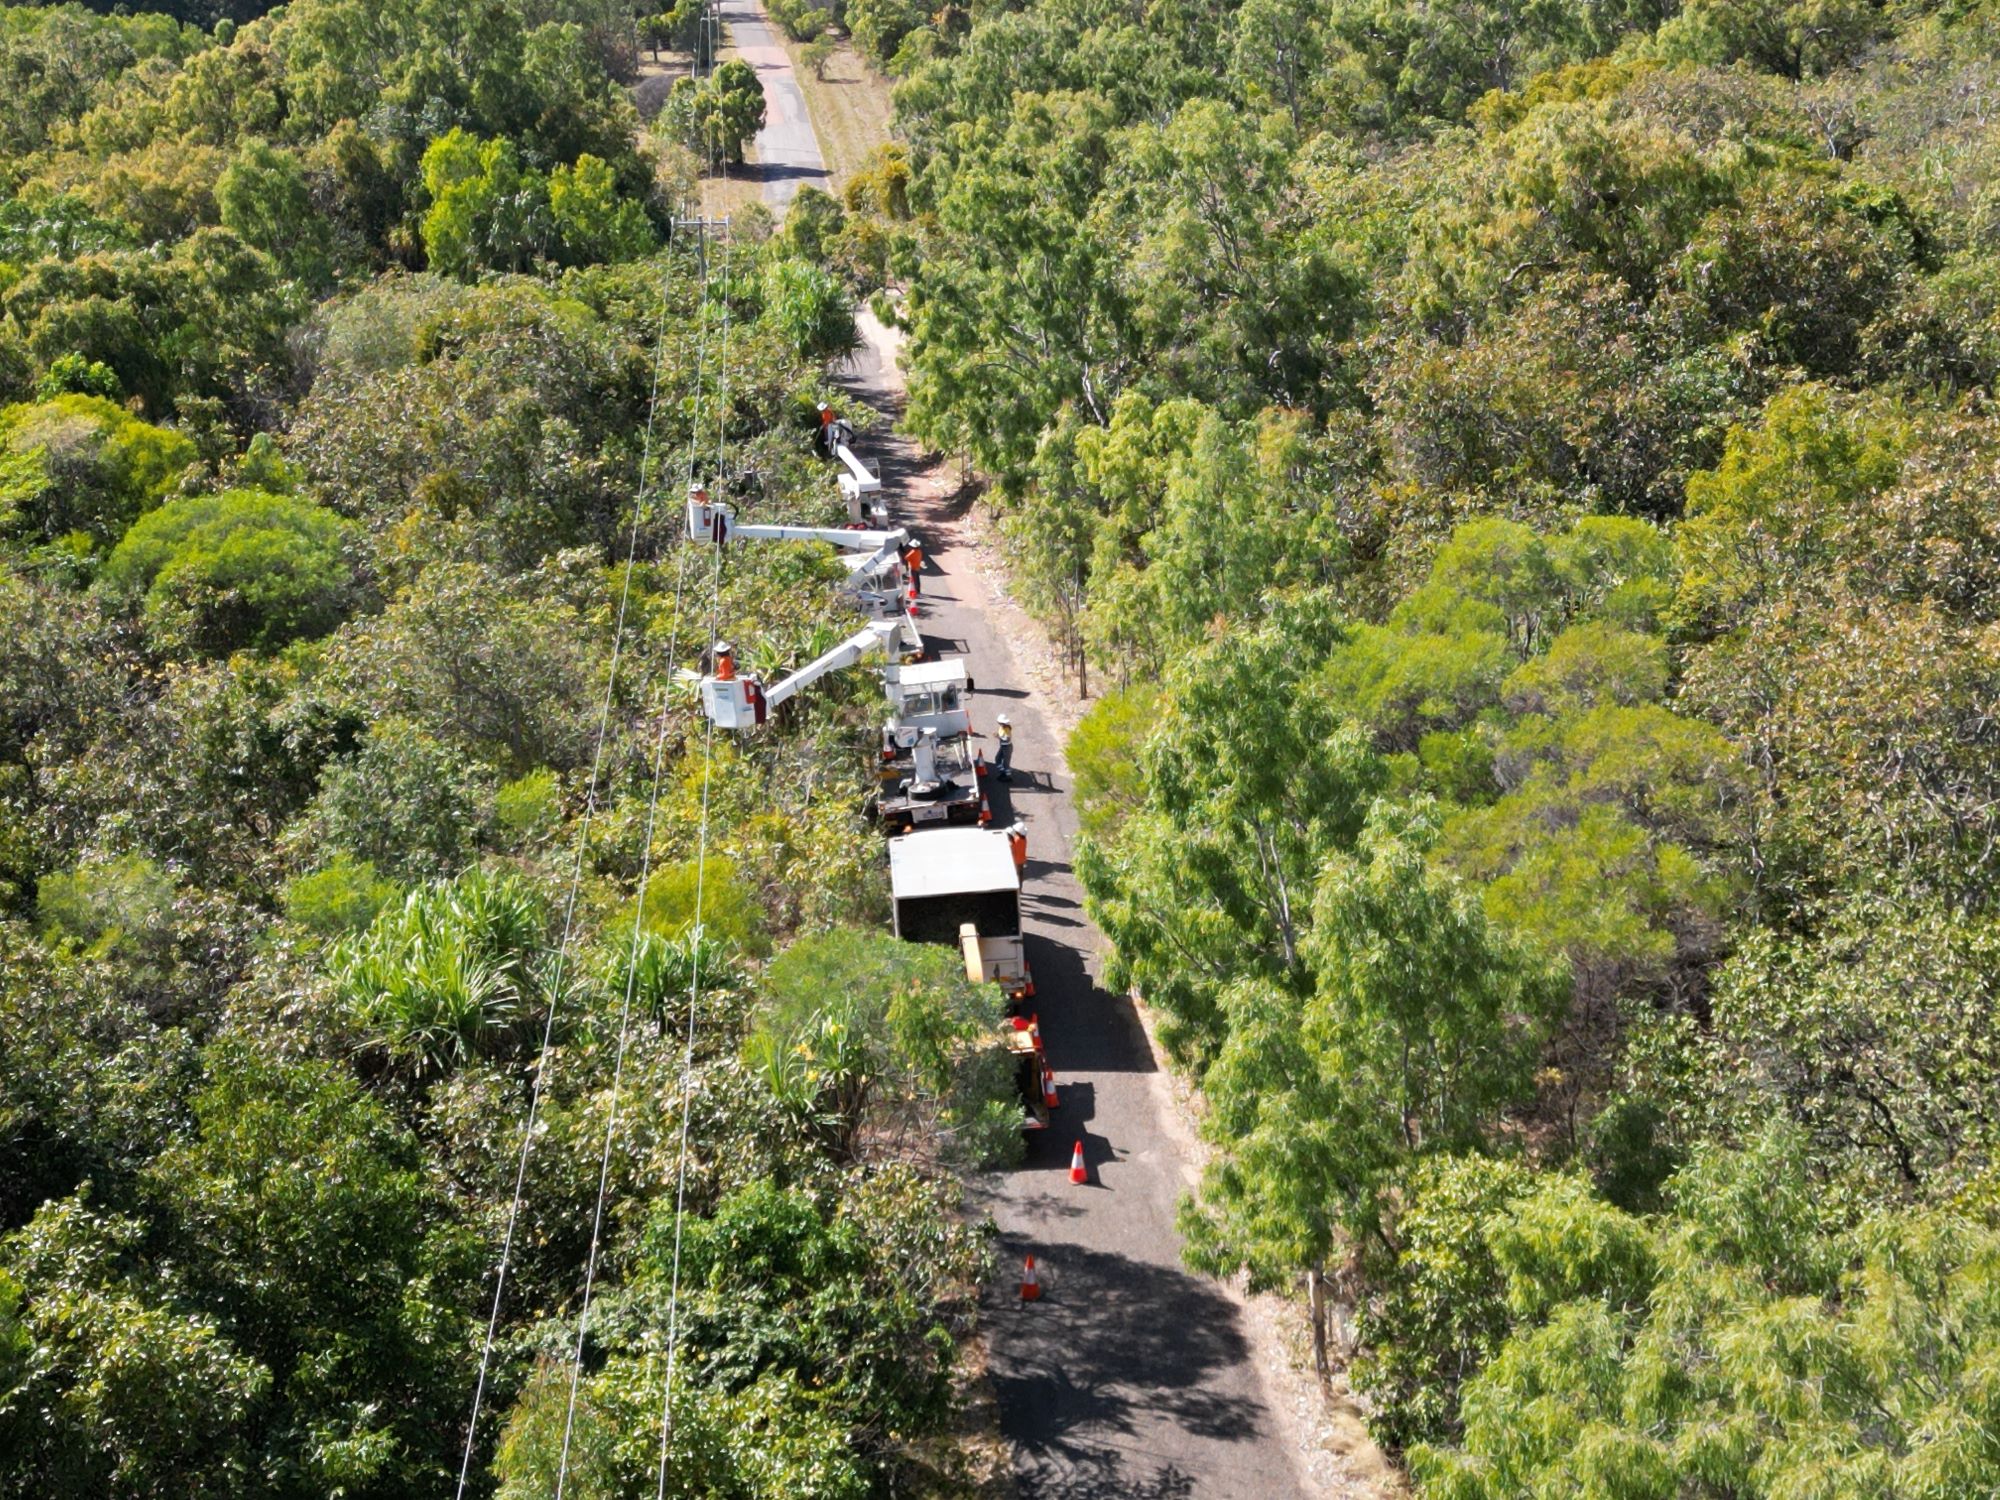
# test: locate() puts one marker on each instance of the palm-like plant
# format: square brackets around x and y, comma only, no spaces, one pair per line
[449,975]
[660,972]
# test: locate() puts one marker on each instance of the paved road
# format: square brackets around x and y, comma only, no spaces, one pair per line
[1131,1378]
[786,149]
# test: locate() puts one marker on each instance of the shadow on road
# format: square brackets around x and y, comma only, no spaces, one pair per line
[1084,1473]
[1095,1355]
[1087,1029]
[777,171]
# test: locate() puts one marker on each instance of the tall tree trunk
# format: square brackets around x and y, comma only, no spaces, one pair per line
[1316,1306]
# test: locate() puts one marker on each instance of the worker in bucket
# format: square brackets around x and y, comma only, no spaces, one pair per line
[1003,757]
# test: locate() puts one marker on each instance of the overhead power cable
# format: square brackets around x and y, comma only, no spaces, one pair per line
[538,1088]
[663,719]
[700,893]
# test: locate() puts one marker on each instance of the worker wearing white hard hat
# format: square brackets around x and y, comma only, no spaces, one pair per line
[1003,756]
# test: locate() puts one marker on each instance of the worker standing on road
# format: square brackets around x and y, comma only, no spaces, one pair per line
[913,560]
[1003,756]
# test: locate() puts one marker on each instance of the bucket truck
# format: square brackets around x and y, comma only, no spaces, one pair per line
[836,438]
[926,779]
[928,771]
[874,561]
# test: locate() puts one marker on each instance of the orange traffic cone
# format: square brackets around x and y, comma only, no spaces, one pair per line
[978,762]
[1031,1284]
[1049,1088]
[985,811]
[1078,1173]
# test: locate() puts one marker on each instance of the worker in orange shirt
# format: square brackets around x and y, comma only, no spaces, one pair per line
[913,561]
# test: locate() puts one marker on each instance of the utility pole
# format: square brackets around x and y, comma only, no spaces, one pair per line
[701,224]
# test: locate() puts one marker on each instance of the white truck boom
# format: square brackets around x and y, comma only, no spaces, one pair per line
[732,701]
[836,435]
[874,559]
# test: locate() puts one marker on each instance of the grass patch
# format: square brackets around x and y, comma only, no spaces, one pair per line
[723,197]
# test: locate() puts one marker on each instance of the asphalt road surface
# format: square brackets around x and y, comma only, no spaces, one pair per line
[786,149]
[1131,1379]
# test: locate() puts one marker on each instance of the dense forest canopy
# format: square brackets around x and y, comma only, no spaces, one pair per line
[1518,482]
[1522,477]
[351,795]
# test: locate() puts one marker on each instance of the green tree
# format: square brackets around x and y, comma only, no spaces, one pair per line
[718,114]
[1440,1309]
[402,800]
[1251,782]
[1873,1034]
[810,307]
[861,1035]
[72,374]
[879,27]
[1743,1343]
[593,222]
[1422,61]
[119,1392]
[1765,520]
[1418,1027]
[245,568]
[291,1174]
[487,212]
[1792,38]
[81,463]
[263,195]
[507,674]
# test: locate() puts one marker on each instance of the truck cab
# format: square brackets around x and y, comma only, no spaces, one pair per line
[929,695]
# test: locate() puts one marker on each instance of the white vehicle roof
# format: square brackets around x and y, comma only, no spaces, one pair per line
[925,674]
[951,862]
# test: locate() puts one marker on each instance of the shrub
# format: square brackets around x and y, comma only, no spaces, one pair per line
[245,568]
[343,897]
[82,463]
[450,974]
[109,906]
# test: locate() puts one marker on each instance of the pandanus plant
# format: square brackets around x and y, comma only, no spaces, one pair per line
[451,974]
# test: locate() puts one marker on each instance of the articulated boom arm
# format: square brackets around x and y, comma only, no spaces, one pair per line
[836,436]
[711,521]
[857,481]
[874,559]
[733,702]
[874,638]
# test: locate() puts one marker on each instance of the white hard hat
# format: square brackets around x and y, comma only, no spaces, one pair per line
[1005,720]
